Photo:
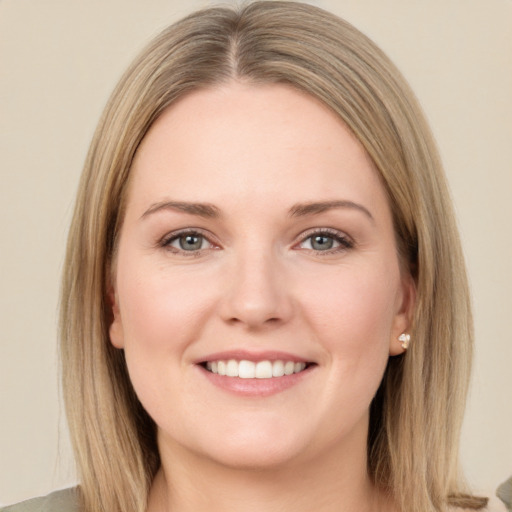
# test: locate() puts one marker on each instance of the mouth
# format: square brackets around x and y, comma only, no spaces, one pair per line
[245,369]
[256,374]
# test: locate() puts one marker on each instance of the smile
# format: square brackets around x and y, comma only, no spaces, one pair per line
[244,369]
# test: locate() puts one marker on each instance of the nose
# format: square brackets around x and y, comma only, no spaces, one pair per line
[257,293]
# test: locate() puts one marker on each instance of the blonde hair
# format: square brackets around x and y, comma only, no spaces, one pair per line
[416,415]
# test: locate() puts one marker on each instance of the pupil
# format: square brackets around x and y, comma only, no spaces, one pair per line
[190,242]
[321,242]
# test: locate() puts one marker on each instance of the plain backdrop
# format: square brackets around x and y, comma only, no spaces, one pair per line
[59,60]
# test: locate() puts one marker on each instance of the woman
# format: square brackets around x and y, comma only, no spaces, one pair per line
[264,302]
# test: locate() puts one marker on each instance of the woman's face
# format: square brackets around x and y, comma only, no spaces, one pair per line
[257,241]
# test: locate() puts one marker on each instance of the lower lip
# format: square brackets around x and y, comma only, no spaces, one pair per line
[255,387]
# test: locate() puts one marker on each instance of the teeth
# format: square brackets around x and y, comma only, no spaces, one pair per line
[264,370]
[232,368]
[289,366]
[250,370]
[277,369]
[246,370]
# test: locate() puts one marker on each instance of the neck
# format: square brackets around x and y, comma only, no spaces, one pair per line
[335,481]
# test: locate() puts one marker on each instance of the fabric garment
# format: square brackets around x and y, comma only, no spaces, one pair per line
[67,501]
[58,501]
[504,492]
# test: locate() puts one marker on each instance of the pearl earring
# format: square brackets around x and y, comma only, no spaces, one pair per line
[405,339]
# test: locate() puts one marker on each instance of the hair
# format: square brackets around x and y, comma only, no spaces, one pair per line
[416,415]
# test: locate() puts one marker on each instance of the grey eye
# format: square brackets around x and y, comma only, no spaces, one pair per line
[322,242]
[325,241]
[189,242]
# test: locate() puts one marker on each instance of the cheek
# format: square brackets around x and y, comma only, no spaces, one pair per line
[162,315]
[354,326]
[352,315]
[160,309]
[356,306]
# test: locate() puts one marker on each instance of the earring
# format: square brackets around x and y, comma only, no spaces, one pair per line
[405,339]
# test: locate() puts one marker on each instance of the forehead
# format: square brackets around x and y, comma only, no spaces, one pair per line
[252,142]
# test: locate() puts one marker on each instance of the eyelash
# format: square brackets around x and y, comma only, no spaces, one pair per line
[166,241]
[345,243]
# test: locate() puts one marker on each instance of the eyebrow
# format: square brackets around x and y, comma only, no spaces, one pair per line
[303,209]
[206,210]
[210,211]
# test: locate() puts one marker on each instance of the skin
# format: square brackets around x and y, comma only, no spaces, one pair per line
[258,283]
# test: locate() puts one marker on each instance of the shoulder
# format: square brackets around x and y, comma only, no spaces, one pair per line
[504,492]
[58,501]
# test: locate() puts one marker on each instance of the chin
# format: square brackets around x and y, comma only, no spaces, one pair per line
[254,457]
[252,446]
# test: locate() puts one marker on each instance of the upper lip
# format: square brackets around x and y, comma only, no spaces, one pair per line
[254,356]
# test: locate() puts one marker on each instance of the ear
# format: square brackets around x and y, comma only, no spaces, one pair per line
[116,325]
[403,318]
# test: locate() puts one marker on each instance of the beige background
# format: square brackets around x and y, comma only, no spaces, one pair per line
[59,59]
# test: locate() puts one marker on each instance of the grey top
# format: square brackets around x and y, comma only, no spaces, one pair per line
[58,501]
[67,501]
[504,493]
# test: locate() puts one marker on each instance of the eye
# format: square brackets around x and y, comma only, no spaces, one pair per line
[320,242]
[326,241]
[187,241]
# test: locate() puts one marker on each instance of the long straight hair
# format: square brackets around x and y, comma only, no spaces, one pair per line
[416,416]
